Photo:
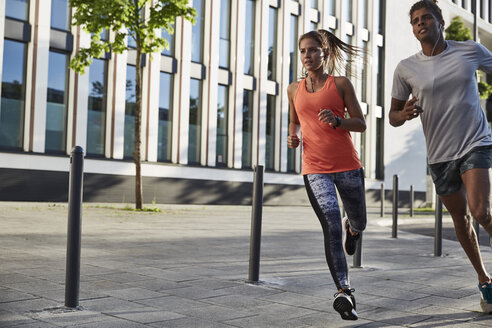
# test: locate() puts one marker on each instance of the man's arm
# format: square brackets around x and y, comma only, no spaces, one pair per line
[402,111]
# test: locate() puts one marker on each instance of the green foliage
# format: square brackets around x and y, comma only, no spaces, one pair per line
[485,90]
[125,17]
[458,31]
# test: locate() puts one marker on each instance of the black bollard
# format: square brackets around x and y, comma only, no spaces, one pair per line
[382,200]
[412,200]
[438,228]
[256,214]
[358,253]
[72,282]
[394,229]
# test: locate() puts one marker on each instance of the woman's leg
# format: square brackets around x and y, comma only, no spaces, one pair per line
[323,198]
[350,185]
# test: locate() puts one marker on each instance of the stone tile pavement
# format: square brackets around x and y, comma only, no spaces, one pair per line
[187,266]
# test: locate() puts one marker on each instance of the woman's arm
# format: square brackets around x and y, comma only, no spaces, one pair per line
[294,125]
[356,121]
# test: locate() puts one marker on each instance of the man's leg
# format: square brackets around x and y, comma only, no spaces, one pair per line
[456,205]
[477,185]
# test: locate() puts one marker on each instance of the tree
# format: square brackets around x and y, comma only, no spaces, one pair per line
[459,32]
[127,18]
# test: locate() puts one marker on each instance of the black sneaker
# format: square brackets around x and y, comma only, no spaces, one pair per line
[349,240]
[345,305]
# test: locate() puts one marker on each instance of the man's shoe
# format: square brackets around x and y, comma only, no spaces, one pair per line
[486,296]
[349,240]
[345,305]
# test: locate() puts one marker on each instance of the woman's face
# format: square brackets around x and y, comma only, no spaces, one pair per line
[425,26]
[312,55]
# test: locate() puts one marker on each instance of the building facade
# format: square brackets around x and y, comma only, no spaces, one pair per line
[214,103]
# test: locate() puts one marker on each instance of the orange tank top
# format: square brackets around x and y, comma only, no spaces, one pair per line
[325,150]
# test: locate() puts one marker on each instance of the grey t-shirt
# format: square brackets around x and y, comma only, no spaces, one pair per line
[446,86]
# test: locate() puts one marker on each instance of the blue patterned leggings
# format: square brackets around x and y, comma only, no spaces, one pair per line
[323,198]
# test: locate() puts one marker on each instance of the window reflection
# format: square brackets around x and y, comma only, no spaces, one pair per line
[221,145]
[60,14]
[272,44]
[249,48]
[348,10]
[12,105]
[130,110]
[170,39]
[332,7]
[225,27]
[246,157]
[197,32]
[270,133]
[165,118]
[56,107]
[194,135]
[18,9]
[291,160]
[96,115]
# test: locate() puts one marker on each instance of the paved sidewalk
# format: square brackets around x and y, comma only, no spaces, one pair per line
[187,267]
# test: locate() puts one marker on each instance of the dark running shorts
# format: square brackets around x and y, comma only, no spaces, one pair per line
[447,175]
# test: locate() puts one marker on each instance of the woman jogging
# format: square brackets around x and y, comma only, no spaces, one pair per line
[317,108]
[443,84]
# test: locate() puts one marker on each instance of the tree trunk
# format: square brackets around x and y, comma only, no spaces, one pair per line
[138,124]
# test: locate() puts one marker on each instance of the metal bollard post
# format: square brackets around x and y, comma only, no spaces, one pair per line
[412,200]
[395,207]
[72,281]
[358,253]
[438,228]
[382,200]
[256,214]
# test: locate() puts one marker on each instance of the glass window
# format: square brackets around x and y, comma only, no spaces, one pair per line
[379,148]
[225,35]
[270,134]
[18,9]
[332,7]
[364,74]
[314,4]
[194,134]
[364,13]
[96,115]
[170,39]
[272,44]
[197,32]
[379,76]
[379,15]
[348,68]
[60,14]
[249,48]
[291,159]
[130,109]
[56,107]
[348,10]
[246,157]
[293,48]
[221,145]
[12,105]
[165,118]
[313,26]
[131,39]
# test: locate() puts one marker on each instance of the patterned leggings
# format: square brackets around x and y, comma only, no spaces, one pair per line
[323,198]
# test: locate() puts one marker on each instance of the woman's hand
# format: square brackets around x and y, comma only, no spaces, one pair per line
[293,141]
[327,116]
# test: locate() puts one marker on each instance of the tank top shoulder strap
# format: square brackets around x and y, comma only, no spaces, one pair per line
[300,87]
